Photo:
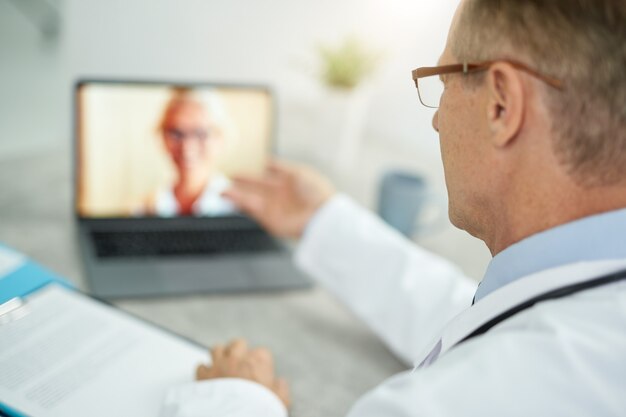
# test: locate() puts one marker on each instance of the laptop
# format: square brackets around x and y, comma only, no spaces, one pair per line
[152,160]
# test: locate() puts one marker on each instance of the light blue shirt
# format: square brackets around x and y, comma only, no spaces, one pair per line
[594,238]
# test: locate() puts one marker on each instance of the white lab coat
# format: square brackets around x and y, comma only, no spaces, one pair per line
[564,357]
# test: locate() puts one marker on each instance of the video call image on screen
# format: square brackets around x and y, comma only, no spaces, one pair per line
[166,151]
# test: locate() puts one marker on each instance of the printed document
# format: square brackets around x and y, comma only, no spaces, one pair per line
[67,355]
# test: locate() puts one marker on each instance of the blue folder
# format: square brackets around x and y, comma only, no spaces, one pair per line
[24,278]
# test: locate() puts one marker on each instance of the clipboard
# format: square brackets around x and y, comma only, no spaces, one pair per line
[26,287]
[20,277]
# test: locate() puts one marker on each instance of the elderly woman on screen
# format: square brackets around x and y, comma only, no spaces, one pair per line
[193,136]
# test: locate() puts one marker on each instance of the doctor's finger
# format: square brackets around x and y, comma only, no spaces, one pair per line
[251,204]
[217,353]
[237,349]
[281,389]
[281,168]
[205,372]
[254,184]
[262,355]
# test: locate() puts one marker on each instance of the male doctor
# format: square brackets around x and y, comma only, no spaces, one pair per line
[532,127]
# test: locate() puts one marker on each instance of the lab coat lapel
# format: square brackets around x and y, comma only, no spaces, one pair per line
[511,295]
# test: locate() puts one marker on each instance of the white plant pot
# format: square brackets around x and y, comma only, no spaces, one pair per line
[344,114]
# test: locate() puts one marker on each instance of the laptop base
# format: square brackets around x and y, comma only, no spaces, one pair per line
[111,278]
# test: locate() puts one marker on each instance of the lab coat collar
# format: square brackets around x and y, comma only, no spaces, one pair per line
[511,295]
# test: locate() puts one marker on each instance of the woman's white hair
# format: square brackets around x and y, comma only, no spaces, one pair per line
[210,100]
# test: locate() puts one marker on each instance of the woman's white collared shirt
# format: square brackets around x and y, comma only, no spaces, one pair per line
[210,203]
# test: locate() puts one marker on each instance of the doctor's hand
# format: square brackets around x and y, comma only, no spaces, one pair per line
[284,199]
[237,361]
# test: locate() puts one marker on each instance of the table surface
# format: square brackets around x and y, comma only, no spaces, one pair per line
[328,356]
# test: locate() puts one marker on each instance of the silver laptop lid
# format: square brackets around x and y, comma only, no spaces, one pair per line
[163,150]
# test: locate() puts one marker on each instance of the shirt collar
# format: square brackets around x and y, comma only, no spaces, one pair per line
[594,238]
[210,202]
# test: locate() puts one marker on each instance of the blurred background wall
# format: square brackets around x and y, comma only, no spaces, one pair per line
[271,41]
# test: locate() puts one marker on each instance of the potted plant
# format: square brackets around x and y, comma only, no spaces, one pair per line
[344,70]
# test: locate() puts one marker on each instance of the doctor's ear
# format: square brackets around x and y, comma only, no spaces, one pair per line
[505,102]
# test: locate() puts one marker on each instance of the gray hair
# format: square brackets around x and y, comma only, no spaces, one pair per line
[583,44]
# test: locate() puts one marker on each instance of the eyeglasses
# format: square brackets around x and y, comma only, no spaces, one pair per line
[430,86]
[177,136]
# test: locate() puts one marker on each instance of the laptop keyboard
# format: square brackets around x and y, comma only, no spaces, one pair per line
[175,243]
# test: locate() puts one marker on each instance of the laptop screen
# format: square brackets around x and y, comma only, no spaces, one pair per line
[166,150]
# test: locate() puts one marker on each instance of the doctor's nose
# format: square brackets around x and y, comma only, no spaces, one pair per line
[436,121]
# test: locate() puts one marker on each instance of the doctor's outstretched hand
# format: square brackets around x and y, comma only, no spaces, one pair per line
[283,199]
[236,360]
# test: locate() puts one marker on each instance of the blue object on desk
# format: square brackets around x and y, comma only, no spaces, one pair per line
[402,196]
[19,277]
[9,412]
[25,278]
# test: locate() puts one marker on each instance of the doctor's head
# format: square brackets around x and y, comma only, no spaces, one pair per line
[536,117]
[193,131]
